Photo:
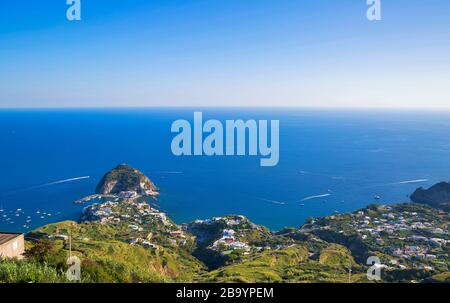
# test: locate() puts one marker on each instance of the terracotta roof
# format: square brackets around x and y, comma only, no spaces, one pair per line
[6,237]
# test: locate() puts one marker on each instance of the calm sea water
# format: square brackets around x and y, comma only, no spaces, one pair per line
[343,157]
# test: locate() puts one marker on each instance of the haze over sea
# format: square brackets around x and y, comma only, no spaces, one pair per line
[335,160]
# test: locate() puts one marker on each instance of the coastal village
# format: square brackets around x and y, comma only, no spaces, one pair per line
[405,235]
[223,234]
[411,240]
[139,218]
[142,220]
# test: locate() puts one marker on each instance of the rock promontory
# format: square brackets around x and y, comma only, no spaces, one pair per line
[125,178]
[437,196]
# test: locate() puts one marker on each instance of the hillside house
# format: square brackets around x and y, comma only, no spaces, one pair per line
[12,245]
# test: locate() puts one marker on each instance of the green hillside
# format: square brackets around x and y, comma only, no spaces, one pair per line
[131,240]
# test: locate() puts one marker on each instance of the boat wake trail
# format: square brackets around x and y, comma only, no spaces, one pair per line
[63,181]
[169,172]
[273,201]
[314,197]
[412,181]
[339,178]
[45,185]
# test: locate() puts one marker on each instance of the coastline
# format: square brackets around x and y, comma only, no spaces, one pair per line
[408,239]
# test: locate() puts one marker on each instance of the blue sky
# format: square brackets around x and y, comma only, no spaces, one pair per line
[321,53]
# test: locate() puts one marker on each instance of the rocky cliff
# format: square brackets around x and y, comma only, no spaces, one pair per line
[437,196]
[125,178]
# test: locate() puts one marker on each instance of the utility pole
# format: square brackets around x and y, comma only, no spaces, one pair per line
[70,244]
[350,274]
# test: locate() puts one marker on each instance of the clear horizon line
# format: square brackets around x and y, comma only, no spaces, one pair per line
[281,107]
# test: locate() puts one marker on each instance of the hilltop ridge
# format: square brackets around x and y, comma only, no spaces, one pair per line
[437,196]
[125,178]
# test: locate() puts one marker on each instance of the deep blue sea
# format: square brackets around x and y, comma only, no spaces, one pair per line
[343,157]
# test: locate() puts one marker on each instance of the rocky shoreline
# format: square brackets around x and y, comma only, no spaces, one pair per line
[411,240]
